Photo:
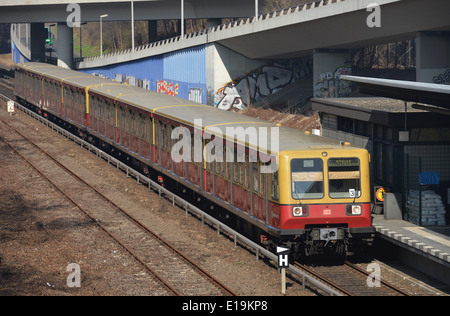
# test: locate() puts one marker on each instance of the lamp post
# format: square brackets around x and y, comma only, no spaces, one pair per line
[81,42]
[182,19]
[101,33]
[132,25]
[50,27]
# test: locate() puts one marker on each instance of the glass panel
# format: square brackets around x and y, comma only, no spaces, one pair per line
[344,177]
[307,178]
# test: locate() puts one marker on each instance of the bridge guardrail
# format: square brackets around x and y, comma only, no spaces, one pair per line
[199,37]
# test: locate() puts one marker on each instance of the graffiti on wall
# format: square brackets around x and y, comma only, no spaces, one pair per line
[126,79]
[194,93]
[230,99]
[262,82]
[442,78]
[330,84]
[167,88]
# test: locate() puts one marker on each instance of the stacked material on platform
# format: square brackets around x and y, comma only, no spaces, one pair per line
[433,209]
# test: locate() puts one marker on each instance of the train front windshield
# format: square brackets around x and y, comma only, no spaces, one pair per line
[344,178]
[307,179]
[308,176]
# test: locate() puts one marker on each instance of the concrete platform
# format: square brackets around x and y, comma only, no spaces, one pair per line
[428,247]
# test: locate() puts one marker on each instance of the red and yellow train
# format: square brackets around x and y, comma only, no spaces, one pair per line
[315,198]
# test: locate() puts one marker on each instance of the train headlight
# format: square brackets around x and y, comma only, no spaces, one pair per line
[354,210]
[300,211]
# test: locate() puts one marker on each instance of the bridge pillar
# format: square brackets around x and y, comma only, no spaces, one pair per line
[37,46]
[433,57]
[65,46]
[329,66]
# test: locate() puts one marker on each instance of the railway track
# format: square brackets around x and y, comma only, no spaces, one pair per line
[171,268]
[350,280]
[6,79]
[346,279]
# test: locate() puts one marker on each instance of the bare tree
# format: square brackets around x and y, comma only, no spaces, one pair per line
[276,5]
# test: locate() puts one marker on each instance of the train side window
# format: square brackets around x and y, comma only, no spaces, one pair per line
[247,171]
[262,183]
[118,117]
[122,118]
[165,141]
[94,113]
[55,96]
[275,188]
[240,166]
[208,157]
[20,83]
[142,123]
[193,148]
[107,113]
[197,155]
[133,130]
[65,97]
[162,131]
[50,94]
[219,168]
[220,165]
[157,132]
[149,128]
[102,111]
[34,86]
[126,121]
[168,136]
[58,97]
[255,167]
[229,164]
[236,168]
[47,93]
[112,114]
[70,101]
[38,93]
[83,102]
[242,173]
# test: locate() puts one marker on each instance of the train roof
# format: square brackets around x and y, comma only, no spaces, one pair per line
[213,120]
[75,78]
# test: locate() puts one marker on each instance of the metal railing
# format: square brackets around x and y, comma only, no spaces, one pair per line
[204,32]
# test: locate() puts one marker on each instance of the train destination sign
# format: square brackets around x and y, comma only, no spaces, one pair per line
[343,163]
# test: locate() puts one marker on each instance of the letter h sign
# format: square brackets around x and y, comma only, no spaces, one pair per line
[283,257]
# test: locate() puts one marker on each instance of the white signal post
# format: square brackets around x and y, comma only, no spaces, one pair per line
[10,107]
[283,264]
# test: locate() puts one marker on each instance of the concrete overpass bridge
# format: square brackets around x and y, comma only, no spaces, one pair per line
[55,11]
[314,38]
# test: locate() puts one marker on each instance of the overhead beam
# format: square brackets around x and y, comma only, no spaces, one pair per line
[120,11]
[427,93]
